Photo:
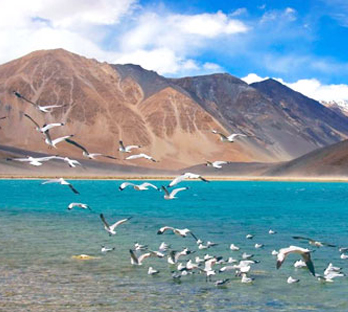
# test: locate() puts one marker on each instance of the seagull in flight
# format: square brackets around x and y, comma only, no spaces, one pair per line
[172,194]
[229,138]
[80,205]
[86,153]
[128,148]
[105,249]
[135,260]
[187,175]
[216,164]
[62,182]
[34,161]
[71,162]
[142,187]
[314,242]
[45,127]
[43,109]
[142,155]
[179,232]
[305,253]
[111,228]
[53,143]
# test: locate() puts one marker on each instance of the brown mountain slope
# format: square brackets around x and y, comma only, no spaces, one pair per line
[330,161]
[103,105]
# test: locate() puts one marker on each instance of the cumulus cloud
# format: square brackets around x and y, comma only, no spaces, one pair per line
[312,88]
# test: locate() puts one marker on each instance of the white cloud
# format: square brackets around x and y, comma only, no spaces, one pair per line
[312,88]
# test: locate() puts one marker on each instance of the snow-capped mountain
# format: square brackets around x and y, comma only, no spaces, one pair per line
[338,105]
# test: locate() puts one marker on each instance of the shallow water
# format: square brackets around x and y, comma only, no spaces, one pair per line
[38,238]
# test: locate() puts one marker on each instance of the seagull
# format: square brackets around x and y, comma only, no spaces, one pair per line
[216,164]
[54,142]
[229,138]
[135,260]
[343,249]
[234,247]
[45,127]
[34,161]
[172,194]
[249,236]
[245,279]
[111,228]
[259,245]
[163,247]
[246,256]
[187,175]
[329,276]
[142,187]
[271,232]
[299,264]
[62,182]
[43,109]
[179,232]
[305,253]
[222,282]
[71,162]
[292,280]
[86,153]
[142,155]
[174,255]
[105,249]
[274,252]
[152,271]
[330,268]
[127,149]
[138,246]
[344,256]
[83,206]
[314,242]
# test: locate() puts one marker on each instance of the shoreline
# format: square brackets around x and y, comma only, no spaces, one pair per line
[162,178]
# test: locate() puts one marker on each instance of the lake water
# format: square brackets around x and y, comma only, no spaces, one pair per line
[39,236]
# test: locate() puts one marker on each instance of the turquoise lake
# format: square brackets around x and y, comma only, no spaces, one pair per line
[39,236]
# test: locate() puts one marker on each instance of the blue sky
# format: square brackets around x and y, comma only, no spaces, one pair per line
[301,43]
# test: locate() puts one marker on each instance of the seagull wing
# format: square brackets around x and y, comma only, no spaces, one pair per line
[146,184]
[165,190]
[203,179]
[46,127]
[133,256]
[24,98]
[144,256]
[195,237]
[64,138]
[77,145]
[232,136]
[107,156]
[115,225]
[104,221]
[177,180]
[51,181]
[130,147]
[32,120]
[220,134]
[134,156]
[303,238]
[307,259]
[73,189]
[124,185]
[177,190]
[219,162]
[3,117]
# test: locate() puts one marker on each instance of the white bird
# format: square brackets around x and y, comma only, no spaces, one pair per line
[71,162]
[292,280]
[330,268]
[138,246]
[105,249]
[127,149]
[305,253]
[216,164]
[246,256]
[172,194]
[111,228]
[249,236]
[299,264]
[45,127]
[62,182]
[229,138]
[43,109]
[135,260]
[174,255]
[53,143]
[152,271]
[274,252]
[179,232]
[330,276]
[234,247]
[271,232]
[83,206]
[141,187]
[313,242]
[163,247]
[245,279]
[259,246]
[34,161]
[142,155]
[187,175]
[85,151]
[344,256]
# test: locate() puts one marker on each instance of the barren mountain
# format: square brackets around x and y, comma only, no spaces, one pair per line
[105,103]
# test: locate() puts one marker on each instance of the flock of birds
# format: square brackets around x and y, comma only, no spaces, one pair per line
[207,265]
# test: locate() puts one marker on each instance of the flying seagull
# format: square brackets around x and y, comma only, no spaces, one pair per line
[45,127]
[71,162]
[142,155]
[53,143]
[105,249]
[142,187]
[313,242]
[179,232]
[34,161]
[135,260]
[86,153]
[111,228]
[229,138]
[305,253]
[292,280]
[187,175]
[62,182]
[80,205]
[43,109]
[216,164]
[128,148]
[172,194]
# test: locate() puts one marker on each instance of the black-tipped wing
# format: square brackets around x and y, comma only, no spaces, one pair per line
[73,189]
[165,190]
[133,256]
[77,145]
[32,120]
[107,156]
[104,221]
[204,180]
[17,94]
[307,259]
[194,236]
